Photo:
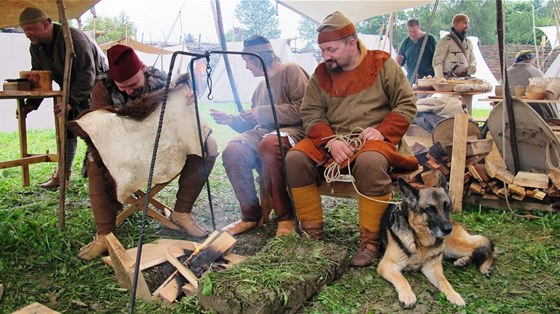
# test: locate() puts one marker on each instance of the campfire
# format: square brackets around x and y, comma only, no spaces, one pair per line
[190,259]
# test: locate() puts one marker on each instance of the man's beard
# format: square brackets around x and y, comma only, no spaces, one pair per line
[333,66]
[137,93]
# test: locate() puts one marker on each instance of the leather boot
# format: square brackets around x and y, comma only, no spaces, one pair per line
[368,251]
[285,227]
[187,223]
[239,227]
[54,181]
[312,229]
[95,248]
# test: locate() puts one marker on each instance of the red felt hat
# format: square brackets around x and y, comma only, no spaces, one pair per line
[123,62]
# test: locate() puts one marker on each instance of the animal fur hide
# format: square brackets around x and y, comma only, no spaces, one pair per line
[122,141]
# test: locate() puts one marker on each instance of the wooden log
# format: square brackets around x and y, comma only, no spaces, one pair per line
[210,253]
[193,280]
[554,176]
[456,185]
[531,180]
[476,188]
[407,176]
[188,290]
[505,176]
[478,147]
[430,178]
[518,190]
[518,197]
[123,264]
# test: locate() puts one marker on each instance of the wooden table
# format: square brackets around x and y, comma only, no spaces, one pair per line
[25,157]
[533,101]
[467,97]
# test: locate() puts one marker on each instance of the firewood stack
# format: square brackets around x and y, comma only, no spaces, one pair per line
[486,175]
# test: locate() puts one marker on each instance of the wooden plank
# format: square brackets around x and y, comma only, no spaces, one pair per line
[519,190]
[500,203]
[189,289]
[35,308]
[430,178]
[407,176]
[184,271]
[154,253]
[123,264]
[554,176]
[531,180]
[456,186]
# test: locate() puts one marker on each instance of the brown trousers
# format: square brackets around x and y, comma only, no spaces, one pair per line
[370,169]
[240,158]
[191,182]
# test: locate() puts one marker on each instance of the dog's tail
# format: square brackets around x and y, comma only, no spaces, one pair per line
[483,257]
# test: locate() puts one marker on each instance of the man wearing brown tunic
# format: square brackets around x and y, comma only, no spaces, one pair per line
[257,145]
[353,91]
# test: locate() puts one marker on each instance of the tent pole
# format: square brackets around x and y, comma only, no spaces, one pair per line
[220,29]
[507,92]
[535,37]
[61,125]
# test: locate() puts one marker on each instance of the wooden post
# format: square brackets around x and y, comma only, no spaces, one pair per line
[456,184]
[61,129]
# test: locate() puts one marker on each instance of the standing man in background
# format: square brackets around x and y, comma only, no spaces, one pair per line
[454,56]
[410,50]
[48,53]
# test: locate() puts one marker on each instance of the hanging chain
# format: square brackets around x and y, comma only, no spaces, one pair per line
[209,78]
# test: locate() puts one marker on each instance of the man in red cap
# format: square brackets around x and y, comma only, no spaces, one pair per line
[48,50]
[355,95]
[129,80]
[257,145]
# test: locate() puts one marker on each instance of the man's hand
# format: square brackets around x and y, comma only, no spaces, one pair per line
[25,109]
[58,108]
[221,117]
[249,115]
[340,151]
[371,134]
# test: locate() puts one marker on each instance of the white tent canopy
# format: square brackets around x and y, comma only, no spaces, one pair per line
[246,82]
[378,42]
[355,10]
[551,33]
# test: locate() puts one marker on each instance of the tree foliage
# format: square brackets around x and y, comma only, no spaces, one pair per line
[113,28]
[307,30]
[258,18]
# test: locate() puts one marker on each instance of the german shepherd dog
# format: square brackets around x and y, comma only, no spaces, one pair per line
[419,233]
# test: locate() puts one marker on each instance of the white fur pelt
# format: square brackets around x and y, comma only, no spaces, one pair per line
[125,145]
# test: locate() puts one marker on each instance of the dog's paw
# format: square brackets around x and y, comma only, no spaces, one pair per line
[486,269]
[462,262]
[407,300]
[455,298]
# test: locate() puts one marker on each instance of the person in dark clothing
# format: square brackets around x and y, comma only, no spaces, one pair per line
[48,51]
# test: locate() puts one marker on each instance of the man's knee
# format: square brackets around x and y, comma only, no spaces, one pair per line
[301,169]
[234,151]
[371,171]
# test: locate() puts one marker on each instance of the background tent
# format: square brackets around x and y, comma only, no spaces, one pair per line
[378,42]
[10,9]
[16,58]
[355,10]
[246,83]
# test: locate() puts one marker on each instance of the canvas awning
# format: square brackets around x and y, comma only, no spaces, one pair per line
[10,9]
[355,10]
[136,45]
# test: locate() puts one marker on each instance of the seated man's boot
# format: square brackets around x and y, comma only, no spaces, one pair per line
[312,229]
[187,223]
[54,181]
[95,248]
[239,227]
[285,228]
[368,251]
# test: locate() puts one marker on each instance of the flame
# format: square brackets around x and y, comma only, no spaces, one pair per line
[197,249]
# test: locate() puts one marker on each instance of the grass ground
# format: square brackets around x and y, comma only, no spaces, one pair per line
[38,261]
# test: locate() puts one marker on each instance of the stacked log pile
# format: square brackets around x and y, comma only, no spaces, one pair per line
[486,175]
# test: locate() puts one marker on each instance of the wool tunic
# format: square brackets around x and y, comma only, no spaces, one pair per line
[375,94]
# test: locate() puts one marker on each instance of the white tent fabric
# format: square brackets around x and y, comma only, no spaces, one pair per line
[16,58]
[378,42]
[554,69]
[551,33]
[162,62]
[482,71]
[246,82]
[355,10]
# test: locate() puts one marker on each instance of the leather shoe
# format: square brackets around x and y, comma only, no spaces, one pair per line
[95,248]
[54,181]
[187,223]
[285,228]
[239,226]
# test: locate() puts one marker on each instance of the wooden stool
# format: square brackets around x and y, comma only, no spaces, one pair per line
[137,200]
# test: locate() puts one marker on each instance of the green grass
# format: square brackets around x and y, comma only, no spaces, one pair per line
[38,261]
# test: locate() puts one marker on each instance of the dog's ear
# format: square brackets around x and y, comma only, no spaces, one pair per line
[409,193]
[442,182]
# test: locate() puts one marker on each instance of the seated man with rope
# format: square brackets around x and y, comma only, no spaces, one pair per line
[120,131]
[357,107]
